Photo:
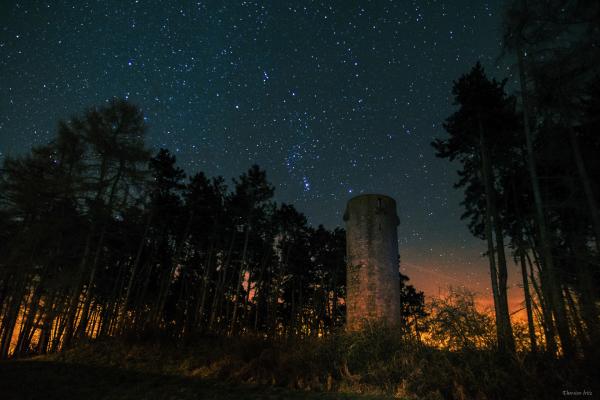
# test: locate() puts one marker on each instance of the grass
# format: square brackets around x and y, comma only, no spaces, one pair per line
[372,364]
[50,380]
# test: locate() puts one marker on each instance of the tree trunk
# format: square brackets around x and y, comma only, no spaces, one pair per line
[88,298]
[220,283]
[499,276]
[162,298]
[587,186]
[585,284]
[75,298]
[239,283]
[575,317]
[28,321]
[546,253]
[9,320]
[530,322]
[122,315]
[547,321]
[521,250]
[205,277]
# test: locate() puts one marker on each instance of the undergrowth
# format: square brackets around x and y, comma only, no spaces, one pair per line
[377,360]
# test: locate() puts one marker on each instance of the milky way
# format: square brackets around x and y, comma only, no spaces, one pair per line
[333,99]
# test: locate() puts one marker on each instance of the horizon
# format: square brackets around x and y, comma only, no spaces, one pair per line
[329,113]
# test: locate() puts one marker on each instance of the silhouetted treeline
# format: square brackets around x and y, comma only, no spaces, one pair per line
[530,171]
[101,238]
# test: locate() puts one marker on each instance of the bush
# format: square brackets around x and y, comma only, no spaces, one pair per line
[379,359]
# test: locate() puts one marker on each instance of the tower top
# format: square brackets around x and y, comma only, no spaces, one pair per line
[371,203]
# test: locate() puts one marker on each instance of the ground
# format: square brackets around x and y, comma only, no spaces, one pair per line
[40,378]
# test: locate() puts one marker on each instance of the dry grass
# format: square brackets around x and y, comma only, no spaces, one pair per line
[376,363]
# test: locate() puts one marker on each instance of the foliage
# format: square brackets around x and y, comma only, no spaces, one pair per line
[529,172]
[456,324]
[103,239]
[482,138]
[380,361]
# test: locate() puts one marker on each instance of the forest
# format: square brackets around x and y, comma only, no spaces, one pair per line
[530,173]
[114,239]
[101,238]
[104,241]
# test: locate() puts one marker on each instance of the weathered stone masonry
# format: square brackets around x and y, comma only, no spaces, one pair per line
[372,281]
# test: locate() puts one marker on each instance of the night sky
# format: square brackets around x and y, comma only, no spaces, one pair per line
[333,99]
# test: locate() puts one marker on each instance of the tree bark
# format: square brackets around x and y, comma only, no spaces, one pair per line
[547,321]
[498,273]
[530,322]
[546,253]
[239,282]
[122,315]
[587,185]
[215,307]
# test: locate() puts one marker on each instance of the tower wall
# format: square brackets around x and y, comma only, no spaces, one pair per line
[372,281]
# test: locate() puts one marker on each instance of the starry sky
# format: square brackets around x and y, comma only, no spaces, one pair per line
[332,98]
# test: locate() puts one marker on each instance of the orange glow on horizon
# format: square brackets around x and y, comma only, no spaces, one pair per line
[435,280]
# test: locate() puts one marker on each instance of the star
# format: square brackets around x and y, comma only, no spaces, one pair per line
[331,100]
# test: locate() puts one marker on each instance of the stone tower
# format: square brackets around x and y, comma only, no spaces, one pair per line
[372,280]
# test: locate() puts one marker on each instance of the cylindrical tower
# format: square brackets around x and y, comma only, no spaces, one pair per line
[372,276]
